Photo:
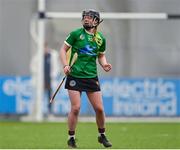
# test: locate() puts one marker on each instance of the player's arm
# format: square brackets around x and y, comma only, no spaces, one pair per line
[63,53]
[103,62]
[71,38]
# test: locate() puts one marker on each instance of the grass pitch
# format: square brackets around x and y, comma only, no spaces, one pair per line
[17,135]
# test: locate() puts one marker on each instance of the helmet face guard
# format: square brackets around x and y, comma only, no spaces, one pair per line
[95,15]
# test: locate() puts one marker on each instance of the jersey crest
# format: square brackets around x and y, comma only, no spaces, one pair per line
[82,37]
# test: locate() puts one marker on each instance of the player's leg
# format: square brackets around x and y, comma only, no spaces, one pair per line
[73,115]
[95,99]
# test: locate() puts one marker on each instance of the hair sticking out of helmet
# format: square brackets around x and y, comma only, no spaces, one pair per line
[94,14]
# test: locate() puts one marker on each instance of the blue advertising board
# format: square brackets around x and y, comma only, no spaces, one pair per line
[141,97]
[121,97]
[15,95]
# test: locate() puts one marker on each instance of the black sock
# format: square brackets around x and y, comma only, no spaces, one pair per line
[101,130]
[71,134]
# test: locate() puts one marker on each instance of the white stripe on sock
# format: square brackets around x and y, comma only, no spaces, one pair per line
[70,136]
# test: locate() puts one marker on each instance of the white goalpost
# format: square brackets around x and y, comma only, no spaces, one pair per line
[40,39]
[40,75]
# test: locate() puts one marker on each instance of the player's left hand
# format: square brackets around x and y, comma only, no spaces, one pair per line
[107,67]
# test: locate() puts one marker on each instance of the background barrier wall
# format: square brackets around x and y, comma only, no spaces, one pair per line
[121,97]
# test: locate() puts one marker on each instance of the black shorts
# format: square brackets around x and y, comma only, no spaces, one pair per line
[82,84]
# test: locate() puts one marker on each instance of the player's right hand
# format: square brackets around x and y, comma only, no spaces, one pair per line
[67,69]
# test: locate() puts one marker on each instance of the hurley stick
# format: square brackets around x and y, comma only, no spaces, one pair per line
[59,86]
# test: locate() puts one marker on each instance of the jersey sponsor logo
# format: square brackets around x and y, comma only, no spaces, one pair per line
[72,83]
[88,49]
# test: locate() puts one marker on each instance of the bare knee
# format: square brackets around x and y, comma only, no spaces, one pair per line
[99,110]
[75,110]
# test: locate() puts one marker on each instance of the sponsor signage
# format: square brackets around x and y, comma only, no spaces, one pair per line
[121,97]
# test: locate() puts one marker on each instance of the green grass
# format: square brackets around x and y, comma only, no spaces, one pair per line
[16,135]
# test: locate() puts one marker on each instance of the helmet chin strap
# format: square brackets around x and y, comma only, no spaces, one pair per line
[93,26]
[88,27]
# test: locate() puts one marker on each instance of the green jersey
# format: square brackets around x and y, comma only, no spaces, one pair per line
[88,46]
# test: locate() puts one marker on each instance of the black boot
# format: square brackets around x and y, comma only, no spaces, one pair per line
[103,140]
[71,143]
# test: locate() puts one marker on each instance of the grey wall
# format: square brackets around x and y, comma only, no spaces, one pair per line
[145,48]
[14,36]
